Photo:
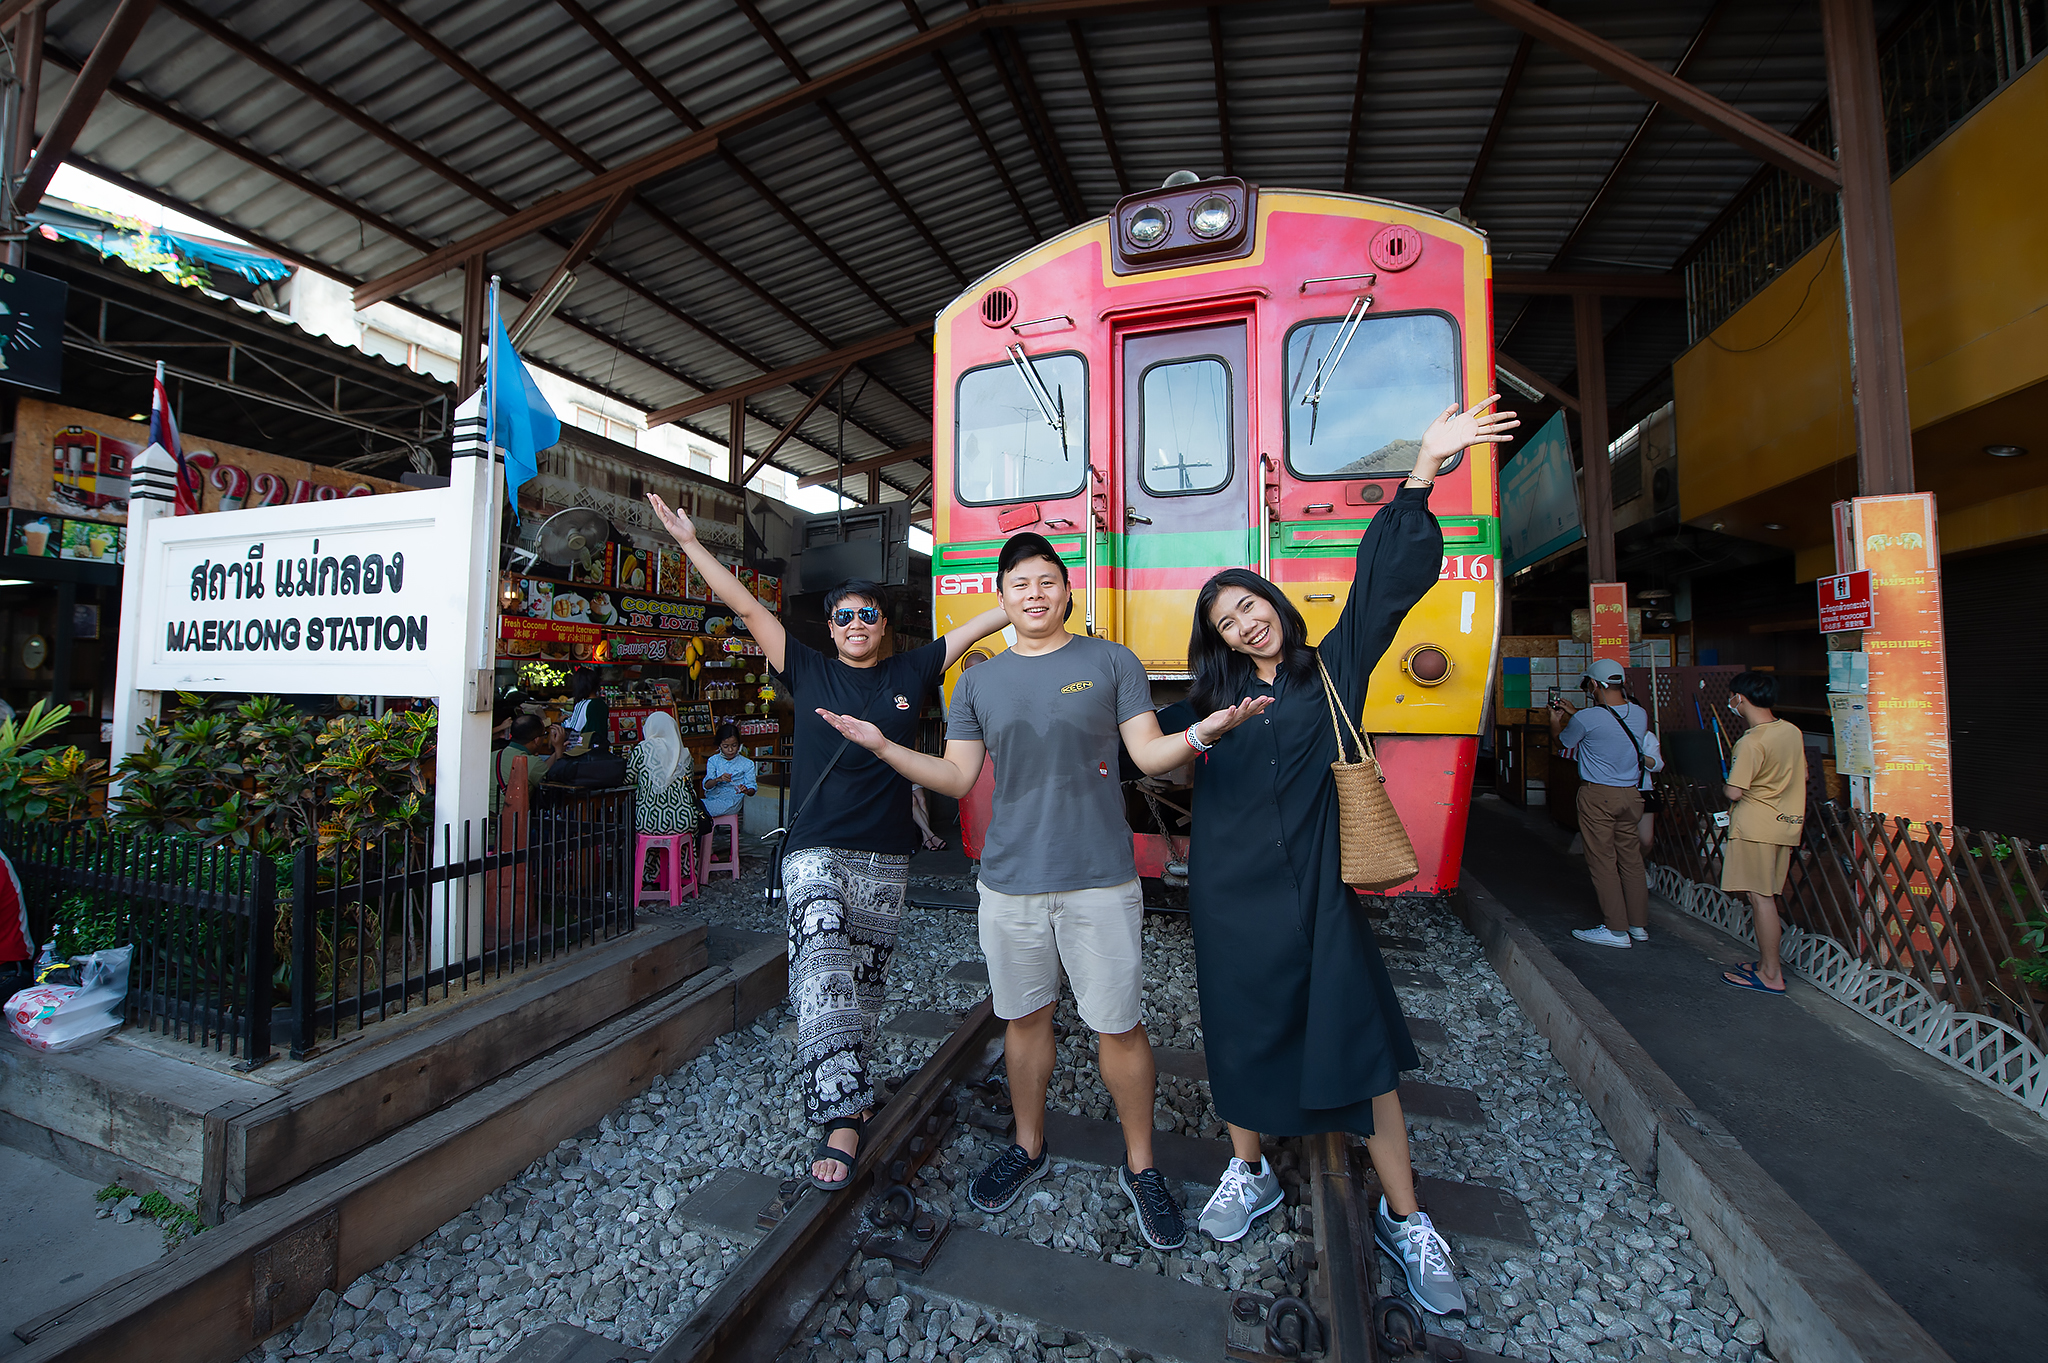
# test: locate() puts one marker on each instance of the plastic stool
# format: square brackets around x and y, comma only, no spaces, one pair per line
[678,867]
[730,863]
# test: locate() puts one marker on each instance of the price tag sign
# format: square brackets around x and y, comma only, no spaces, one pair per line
[1845,602]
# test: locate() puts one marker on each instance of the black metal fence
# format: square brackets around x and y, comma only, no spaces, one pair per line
[237,952]
[1945,60]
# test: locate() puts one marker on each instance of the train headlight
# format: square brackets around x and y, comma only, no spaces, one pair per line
[1212,216]
[1147,227]
[1427,664]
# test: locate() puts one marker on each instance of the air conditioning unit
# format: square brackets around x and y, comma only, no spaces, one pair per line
[1658,440]
[871,542]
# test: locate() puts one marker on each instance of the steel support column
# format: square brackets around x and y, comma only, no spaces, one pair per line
[28,70]
[1877,353]
[736,442]
[469,370]
[1596,484]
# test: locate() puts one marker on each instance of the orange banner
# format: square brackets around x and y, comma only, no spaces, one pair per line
[1610,621]
[1895,540]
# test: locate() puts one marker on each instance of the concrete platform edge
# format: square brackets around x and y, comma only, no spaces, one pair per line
[1816,1304]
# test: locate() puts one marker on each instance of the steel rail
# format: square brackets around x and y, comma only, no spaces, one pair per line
[753,1312]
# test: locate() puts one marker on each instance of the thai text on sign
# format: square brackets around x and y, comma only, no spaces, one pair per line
[1844,602]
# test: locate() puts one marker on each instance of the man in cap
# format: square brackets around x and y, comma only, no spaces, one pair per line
[1607,739]
[1059,886]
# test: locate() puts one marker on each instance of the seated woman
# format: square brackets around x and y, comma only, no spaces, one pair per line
[659,768]
[729,778]
[588,724]
[1302,1028]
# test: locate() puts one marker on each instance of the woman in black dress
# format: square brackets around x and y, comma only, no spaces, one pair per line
[1301,1026]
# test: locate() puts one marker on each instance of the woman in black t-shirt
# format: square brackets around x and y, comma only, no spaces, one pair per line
[846,858]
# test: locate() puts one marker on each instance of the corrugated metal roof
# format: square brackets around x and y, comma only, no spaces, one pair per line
[662,316]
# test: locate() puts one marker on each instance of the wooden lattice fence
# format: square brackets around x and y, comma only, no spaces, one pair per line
[1934,933]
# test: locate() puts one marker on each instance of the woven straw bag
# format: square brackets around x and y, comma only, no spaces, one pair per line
[1376,853]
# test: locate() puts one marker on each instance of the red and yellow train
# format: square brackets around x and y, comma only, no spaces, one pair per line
[1221,375]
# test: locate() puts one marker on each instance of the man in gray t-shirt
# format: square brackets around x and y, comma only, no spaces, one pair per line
[1050,724]
[1059,886]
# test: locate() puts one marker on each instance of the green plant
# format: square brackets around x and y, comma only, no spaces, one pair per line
[19,796]
[2029,914]
[175,1218]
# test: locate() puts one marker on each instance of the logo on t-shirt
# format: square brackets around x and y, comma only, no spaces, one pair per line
[903,702]
[1072,687]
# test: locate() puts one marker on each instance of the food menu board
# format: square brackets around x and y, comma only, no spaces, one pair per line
[59,537]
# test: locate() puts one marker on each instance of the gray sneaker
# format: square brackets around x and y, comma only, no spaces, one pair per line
[1424,1257]
[1240,1199]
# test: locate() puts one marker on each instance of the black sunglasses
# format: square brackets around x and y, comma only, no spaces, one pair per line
[844,616]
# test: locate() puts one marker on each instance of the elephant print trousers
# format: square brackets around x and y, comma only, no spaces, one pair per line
[844,909]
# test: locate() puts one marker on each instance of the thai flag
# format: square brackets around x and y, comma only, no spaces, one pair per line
[163,433]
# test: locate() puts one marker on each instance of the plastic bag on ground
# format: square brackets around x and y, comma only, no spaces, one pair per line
[63,1017]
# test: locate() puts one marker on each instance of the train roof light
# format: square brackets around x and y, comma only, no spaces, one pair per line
[1181,177]
[1212,216]
[1146,227]
[1188,221]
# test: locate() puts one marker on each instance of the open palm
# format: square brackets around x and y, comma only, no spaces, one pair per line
[1455,430]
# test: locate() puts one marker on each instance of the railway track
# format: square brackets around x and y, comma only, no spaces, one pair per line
[774,1301]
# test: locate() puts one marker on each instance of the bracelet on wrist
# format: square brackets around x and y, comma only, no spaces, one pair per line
[1195,741]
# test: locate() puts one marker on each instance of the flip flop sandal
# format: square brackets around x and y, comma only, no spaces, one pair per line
[1750,979]
[825,1150]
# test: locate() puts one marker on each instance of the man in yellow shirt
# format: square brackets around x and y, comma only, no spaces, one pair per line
[1766,818]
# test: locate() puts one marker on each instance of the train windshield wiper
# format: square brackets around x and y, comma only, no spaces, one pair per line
[1054,412]
[1326,367]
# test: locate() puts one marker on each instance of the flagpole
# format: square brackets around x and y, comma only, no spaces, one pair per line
[490,372]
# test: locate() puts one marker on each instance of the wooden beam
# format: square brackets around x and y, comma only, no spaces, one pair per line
[1500,121]
[1508,364]
[1597,474]
[781,378]
[10,10]
[1635,141]
[93,77]
[1036,99]
[1222,87]
[1087,63]
[988,146]
[1357,105]
[794,422]
[673,156]
[1877,356]
[1555,282]
[585,245]
[1687,101]
[875,465]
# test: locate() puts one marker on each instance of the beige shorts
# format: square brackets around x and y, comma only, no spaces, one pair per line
[1027,938]
[1754,867]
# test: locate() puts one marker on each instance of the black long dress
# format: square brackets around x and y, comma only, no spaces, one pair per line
[1299,1018]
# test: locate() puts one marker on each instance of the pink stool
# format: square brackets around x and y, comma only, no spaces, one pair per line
[678,867]
[730,863]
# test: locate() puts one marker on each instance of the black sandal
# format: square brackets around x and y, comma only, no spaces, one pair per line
[825,1150]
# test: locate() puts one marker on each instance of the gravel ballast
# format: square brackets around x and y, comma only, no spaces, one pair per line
[590,1234]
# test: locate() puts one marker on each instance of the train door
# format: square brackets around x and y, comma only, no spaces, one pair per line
[1184,400]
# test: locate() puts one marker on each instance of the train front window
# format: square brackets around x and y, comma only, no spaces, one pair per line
[1357,407]
[1006,448]
[1185,426]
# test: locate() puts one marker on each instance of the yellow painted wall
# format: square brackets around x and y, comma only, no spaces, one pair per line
[1766,398]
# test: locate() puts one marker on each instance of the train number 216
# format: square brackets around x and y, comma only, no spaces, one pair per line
[1466,568]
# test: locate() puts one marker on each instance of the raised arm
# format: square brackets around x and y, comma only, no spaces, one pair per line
[760,621]
[953,774]
[963,637]
[1401,553]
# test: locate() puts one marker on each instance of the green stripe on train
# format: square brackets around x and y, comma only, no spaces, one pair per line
[1222,548]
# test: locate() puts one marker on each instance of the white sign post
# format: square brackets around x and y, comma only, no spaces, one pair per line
[386,596]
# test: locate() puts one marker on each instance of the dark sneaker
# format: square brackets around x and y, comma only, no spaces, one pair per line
[1158,1214]
[1008,1175]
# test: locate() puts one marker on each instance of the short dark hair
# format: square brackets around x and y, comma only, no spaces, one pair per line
[583,683]
[1023,545]
[725,731]
[526,728]
[856,586]
[1758,688]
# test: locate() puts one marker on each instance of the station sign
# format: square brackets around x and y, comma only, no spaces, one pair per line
[1845,602]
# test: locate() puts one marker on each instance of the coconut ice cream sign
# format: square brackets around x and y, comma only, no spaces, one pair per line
[326,607]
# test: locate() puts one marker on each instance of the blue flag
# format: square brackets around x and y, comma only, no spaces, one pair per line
[517,416]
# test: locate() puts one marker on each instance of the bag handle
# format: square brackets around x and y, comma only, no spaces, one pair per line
[837,753]
[1330,695]
[1642,758]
